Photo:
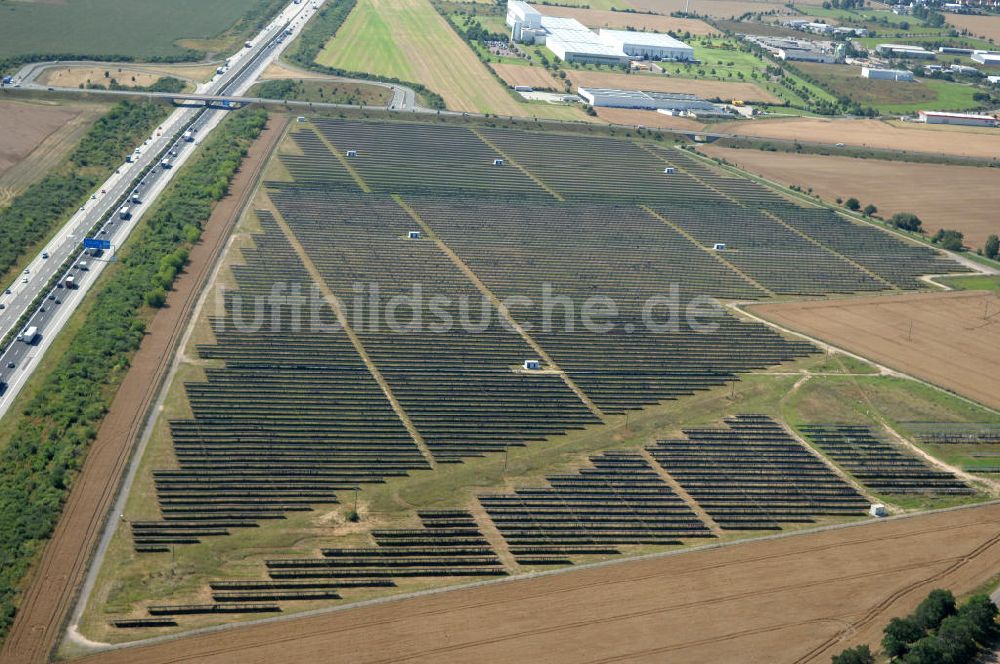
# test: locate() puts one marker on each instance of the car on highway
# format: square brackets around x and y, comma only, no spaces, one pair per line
[10,365]
[7,292]
[2,306]
[45,255]
[24,280]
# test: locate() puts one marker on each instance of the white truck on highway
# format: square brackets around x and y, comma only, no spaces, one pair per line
[125,213]
[70,282]
[28,335]
[189,136]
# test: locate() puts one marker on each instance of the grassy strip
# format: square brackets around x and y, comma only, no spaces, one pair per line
[50,439]
[32,215]
[322,28]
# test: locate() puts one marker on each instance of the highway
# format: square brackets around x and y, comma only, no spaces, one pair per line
[63,255]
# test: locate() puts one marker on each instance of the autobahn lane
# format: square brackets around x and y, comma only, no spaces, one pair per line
[145,178]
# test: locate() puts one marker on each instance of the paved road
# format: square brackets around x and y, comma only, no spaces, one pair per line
[144,177]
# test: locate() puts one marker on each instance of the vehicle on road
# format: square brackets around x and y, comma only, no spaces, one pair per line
[28,335]
[45,255]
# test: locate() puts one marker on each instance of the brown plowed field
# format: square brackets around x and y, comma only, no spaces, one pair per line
[600,18]
[536,77]
[60,572]
[963,141]
[949,339]
[981,26]
[660,83]
[24,126]
[892,186]
[779,601]
[627,116]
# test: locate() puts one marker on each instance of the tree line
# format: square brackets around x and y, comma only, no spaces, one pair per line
[937,632]
[50,438]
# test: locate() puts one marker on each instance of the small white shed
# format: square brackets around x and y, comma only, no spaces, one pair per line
[414,235]
[532,365]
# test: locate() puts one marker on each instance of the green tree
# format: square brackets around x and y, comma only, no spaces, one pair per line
[927,650]
[853,204]
[981,613]
[870,210]
[950,240]
[992,247]
[937,606]
[900,634]
[907,221]
[956,637]
[856,655]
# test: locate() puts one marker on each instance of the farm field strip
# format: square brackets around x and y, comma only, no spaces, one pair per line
[915,188]
[409,40]
[906,332]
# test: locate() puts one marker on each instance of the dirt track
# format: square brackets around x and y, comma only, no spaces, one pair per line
[787,600]
[53,586]
[949,339]
[914,187]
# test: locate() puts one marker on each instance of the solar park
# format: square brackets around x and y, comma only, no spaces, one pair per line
[286,420]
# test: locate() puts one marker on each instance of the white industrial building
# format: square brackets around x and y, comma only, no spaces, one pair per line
[904,51]
[650,101]
[572,41]
[986,58]
[935,117]
[886,74]
[647,45]
[994,80]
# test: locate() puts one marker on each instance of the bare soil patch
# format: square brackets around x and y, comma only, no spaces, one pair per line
[25,126]
[73,77]
[627,116]
[600,18]
[55,581]
[536,77]
[892,186]
[961,141]
[980,26]
[793,599]
[660,83]
[949,339]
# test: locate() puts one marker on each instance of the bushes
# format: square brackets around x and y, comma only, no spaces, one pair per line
[31,216]
[906,221]
[950,240]
[992,247]
[938,632]
[50,440]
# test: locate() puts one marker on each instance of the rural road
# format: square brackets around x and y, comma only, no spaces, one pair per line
[142,177]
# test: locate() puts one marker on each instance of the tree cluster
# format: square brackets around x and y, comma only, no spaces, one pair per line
[937,632]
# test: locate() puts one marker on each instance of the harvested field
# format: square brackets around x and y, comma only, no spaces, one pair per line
[599,18]
[24,126]
[949,339]
[72,77]
[34,138]
[987,27]
[892,186]
[44,606]
[794,599]
[717,8]
[627,116]
[964,141]
[409,40]
[536,77]
[660,83]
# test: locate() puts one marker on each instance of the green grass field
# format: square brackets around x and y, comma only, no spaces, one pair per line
[973,282]
[329,92]
[136,28]
[891,96]
[410,41]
